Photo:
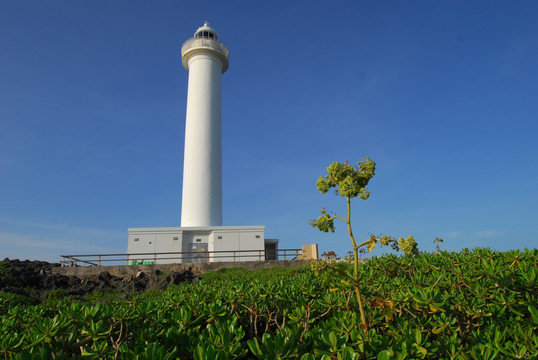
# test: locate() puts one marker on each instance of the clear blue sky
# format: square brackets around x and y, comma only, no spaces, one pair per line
[442,95]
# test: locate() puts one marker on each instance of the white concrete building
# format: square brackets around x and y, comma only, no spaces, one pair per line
[201,237]
[197,244]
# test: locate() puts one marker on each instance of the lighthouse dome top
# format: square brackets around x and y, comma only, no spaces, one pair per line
[205,40]
[206,32]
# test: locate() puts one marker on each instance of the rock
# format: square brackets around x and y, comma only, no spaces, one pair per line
[105,277]
[24,277]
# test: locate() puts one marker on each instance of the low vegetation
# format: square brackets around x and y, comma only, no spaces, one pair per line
[475,304]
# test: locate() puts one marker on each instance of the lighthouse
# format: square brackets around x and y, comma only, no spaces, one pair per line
[206,59]
[201,238]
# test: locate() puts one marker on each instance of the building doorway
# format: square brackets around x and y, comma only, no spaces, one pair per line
[197,253]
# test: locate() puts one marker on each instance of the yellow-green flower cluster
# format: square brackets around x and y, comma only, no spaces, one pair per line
[348,180]
[408,246]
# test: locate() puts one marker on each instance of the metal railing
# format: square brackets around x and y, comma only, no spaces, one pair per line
[190,257]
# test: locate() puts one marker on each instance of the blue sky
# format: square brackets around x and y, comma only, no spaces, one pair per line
[442,95]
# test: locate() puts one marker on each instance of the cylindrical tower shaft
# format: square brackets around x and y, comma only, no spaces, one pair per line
[206,59]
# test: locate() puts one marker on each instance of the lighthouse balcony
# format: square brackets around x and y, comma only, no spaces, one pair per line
[207,43]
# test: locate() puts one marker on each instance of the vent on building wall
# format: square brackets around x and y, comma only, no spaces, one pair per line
[175,238]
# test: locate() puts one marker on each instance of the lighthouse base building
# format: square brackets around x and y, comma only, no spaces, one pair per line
[200,244]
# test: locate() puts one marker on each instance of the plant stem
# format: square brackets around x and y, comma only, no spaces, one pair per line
[356,268]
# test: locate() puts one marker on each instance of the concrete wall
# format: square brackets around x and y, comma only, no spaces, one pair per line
[310,252]
[232,240]
[197,239]
[144,240]
[196,268]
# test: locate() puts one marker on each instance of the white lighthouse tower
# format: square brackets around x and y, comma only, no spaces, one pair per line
[206,59]
[202,237]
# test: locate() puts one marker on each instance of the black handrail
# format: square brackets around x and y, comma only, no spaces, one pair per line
[180,256]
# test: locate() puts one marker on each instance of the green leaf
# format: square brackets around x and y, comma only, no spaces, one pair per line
[385,355]
[333,340]
[254,346]
[418,336]
[534,314]
[349,354]
[422,350]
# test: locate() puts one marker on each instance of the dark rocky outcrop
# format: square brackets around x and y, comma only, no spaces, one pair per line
[34,279]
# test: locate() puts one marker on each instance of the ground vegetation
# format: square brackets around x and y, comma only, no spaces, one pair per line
[473,304]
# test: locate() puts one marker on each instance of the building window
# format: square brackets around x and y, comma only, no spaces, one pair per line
[257,236]
[219,237]
[175,238]
[205,35]
[136,239]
